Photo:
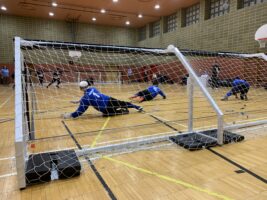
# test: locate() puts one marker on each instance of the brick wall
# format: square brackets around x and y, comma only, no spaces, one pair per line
[53,30]
[233,31]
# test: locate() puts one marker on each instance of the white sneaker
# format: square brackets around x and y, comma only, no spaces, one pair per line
[140,109]
[224,99]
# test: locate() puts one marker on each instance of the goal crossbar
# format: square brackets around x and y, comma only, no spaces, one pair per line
[86,65]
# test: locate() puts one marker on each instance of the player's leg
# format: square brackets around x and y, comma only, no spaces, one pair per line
[242,90]
[53,80]
[145,96]
[233,91]
[139,97]
[58,82]
[124,105]
[42,81]
[212,81]
[115,107]
[244,93]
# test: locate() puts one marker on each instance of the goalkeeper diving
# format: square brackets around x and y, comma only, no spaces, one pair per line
[149,94]
[238,86]
[109,106]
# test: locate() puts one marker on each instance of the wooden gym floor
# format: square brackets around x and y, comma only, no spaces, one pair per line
[233,171]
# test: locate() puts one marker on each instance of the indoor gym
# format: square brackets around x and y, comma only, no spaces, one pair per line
[158,169]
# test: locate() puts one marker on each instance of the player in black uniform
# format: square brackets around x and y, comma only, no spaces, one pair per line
[40,76]
[56,78]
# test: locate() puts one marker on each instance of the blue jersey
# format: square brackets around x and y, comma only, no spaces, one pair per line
[237,82]
[92,97]
[5,72]
[154,91]
[239,85]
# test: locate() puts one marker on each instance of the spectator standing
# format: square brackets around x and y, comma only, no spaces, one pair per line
[5,75]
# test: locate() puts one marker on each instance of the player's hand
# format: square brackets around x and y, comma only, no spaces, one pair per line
[66,116]
[75,101]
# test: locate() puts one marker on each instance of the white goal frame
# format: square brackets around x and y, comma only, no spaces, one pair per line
[20,125]
[23,134]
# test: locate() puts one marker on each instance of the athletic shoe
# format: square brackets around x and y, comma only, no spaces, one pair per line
[140,109]
[224,99]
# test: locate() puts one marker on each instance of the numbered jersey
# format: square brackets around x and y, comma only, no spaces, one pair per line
[56,75]
[154,91]
[92,97]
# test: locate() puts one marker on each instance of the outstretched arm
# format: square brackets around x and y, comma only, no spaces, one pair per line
[225,98]
[162,94]
[84,104]
[228,94]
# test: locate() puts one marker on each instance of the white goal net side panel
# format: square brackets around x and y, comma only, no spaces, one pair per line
[120,72]
[220,73]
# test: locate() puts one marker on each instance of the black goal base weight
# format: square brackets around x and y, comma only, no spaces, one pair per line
[199,140]
[56,165]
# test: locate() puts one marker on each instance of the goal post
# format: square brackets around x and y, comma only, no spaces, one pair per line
[193,104]
[20,125]
[196,79]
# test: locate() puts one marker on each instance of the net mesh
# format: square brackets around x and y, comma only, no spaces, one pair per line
[223,71]
[120,72]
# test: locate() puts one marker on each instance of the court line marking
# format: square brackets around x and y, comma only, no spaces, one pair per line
[155,148]
[7,100]
[138,137]
[91,164]
[164,121]
[8,158]
[223,157]
[100,132]
[7,175]
[238,165]
[166,178]
[7,120]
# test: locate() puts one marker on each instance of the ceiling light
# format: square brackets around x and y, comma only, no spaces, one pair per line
[157,6]
[140,16]
[103,11]
[54,4]
[115,1]
[127,22]
[94,19]
[3,8]
[51,14]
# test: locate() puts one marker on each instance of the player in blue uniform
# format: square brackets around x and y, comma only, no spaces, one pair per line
[239,86]
[146,95]
[103,103]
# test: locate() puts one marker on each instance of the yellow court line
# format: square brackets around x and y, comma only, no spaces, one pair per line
[166,178]
[100,132]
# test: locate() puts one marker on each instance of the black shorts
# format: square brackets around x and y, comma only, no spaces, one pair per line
[146,94]
[116,107]
[243,89]
[55,80]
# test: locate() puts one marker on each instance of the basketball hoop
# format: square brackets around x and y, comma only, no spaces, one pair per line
[261,36]
[262,43]
[75,55]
